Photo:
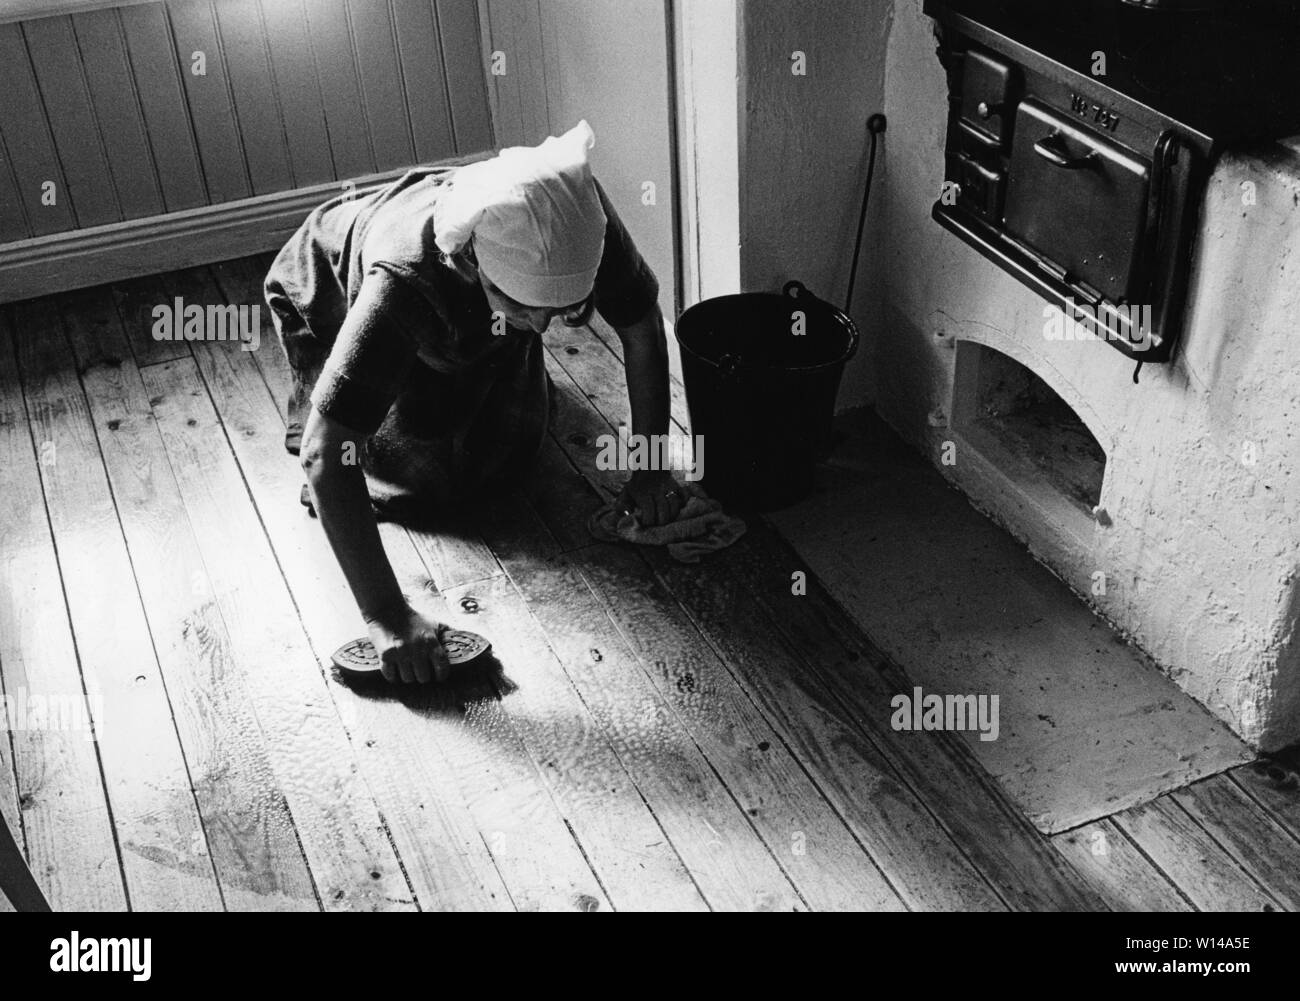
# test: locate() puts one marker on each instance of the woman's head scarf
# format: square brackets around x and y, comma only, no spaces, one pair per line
[535,216]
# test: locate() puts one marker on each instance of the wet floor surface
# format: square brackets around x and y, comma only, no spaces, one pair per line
[646,735]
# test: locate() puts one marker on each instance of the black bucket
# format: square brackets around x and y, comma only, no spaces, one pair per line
[762,371]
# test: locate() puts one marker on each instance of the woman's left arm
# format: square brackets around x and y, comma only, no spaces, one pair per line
[653,493]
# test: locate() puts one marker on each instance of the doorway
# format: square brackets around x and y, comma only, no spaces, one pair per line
[554,63]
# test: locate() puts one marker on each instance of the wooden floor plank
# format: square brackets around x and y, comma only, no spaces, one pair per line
[62,805]
[1011,855]
[164,850]
[435,774]
[594,357]
[456,552]
[9,810]
[763,762]
[606,334]
[1197,864]
[512,803]
[734,867]
[1117,870]
[799,768]
[344,839]
[250,834]
[638,867]
[136,301]
[1274,784]
[914,852]
[240,282]
[1255,841]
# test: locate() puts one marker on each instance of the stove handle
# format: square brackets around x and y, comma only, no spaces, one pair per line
[1161,279]
[1052,150]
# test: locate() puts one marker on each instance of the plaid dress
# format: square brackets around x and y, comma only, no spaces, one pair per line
[387,340]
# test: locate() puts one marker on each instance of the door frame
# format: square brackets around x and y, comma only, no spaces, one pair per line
[707,65]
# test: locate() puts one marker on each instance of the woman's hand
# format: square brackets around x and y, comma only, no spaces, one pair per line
[409,645]
[653,496]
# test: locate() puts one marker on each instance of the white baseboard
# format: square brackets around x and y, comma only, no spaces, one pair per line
[82,257]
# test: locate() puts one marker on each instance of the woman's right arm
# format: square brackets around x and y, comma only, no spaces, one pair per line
[408,643]
[368,361]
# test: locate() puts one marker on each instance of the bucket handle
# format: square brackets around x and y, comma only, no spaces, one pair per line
[728,366]
[796,289]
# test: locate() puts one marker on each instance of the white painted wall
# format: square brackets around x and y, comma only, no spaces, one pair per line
[567,60]
[803,156]
[1203,553]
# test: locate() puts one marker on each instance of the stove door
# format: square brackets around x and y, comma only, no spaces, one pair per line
[1077,199]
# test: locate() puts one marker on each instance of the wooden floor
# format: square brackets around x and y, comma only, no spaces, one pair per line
[655,736]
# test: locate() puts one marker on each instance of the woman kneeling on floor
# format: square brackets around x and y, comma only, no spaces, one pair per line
[412,321]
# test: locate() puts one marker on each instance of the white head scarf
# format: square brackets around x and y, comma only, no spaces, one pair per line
[536,219]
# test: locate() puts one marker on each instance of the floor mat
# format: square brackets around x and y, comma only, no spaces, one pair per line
[1087,725]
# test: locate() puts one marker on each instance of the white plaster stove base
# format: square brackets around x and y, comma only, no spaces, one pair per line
[1201,552]
[1203,548]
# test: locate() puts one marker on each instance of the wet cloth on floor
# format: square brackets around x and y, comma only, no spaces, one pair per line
[701,527]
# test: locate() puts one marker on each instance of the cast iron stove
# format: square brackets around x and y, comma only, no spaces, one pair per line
[1081,133]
